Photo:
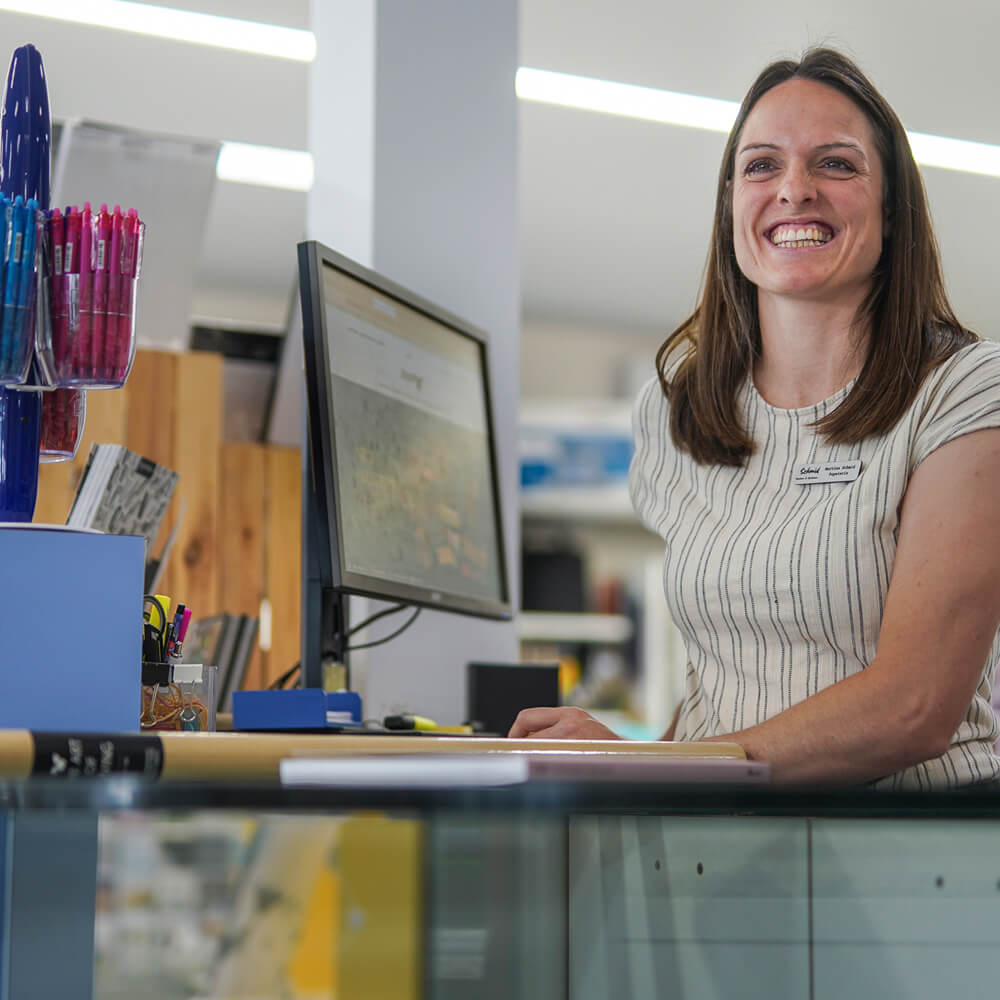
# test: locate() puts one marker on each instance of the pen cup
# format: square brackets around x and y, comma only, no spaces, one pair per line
[88,341]
[63,414]
[16,338]
[178,697]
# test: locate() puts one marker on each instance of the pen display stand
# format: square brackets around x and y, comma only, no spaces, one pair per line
[20,432]
[63,414]
[178,696]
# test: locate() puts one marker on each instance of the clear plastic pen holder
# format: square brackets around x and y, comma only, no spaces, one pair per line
[178,697]
[17,323]
[88,340]
[63,414]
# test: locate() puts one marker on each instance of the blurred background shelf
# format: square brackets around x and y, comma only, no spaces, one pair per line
[608,503]
[571,627]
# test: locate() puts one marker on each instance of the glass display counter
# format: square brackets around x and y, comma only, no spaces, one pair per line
[545,889]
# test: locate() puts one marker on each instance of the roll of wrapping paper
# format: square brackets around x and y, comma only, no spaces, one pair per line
[198,757]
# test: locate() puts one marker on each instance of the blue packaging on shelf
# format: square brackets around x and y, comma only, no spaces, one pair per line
[297,708]
[568,458]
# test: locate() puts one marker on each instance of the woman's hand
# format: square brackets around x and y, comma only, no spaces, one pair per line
[559,724]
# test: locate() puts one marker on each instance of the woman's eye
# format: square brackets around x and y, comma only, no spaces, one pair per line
[757,167]
[836,163]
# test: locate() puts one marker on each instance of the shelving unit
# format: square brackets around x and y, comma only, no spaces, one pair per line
[599,519]
[555,626]
[605,504]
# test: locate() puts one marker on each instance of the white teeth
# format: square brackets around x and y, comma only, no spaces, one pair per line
[791,236]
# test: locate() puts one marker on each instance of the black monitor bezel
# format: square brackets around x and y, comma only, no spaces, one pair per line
[313,257]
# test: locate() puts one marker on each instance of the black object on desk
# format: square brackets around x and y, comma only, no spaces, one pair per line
[498,691]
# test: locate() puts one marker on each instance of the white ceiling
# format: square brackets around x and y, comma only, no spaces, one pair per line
[615,213]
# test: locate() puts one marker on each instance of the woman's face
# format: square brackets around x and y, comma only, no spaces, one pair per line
[808,215]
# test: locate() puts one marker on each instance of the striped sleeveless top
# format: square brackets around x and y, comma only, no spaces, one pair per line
[778,589]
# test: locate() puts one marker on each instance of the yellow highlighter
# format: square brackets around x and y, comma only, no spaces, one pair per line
[406,721]
[165,601]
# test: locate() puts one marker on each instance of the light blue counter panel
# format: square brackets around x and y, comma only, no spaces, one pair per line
[906,909]
[688,908]
[70,629]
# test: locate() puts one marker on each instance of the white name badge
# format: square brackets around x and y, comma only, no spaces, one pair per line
[827,472]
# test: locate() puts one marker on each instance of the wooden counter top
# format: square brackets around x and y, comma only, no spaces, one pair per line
[256,756]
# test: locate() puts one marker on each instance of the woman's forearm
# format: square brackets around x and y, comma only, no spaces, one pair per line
[858,729]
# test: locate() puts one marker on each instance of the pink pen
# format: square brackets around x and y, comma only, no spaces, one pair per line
[185,621]
[56,240]
[71,268]
[102,262]
[114,291]
[131,255]
[85,341]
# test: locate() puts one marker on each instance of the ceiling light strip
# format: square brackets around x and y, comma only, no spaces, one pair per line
[955,154]
[671,108]
[177,25]
[267,166]
[625,99]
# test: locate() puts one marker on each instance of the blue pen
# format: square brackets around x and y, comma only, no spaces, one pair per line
[22,330]
[12,284]
[28,254]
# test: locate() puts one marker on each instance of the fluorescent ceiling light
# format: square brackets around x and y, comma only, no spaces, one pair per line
[672,108]
[625,99]
[179,25]
[955,154]
[265,165]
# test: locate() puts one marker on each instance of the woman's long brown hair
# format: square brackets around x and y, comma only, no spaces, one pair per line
[913,327]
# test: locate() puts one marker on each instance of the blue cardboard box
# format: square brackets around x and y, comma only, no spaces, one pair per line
[70,629]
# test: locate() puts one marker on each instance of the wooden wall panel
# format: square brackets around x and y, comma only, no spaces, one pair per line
[150,401]
[150,394]
[57,481]
[242,537]
[197,437]
[283,557]
[55,493]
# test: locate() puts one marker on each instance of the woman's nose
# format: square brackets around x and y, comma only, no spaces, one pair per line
[797,185]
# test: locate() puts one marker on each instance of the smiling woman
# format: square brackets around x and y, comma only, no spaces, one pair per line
[820,452]
[902,327]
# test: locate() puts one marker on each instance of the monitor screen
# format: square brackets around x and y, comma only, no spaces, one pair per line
[401,437]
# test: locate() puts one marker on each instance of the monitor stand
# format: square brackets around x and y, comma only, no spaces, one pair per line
[324,608]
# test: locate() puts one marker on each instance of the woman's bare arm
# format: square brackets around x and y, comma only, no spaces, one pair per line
[940,620]
[941,616]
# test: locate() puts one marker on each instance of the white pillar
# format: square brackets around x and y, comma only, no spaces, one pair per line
[413,130]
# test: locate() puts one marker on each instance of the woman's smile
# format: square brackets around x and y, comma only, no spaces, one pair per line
[796,236]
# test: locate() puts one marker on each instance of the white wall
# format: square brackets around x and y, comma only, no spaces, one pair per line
[564,360]
[413,127]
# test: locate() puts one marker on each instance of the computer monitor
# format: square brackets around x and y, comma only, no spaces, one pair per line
[401,486]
